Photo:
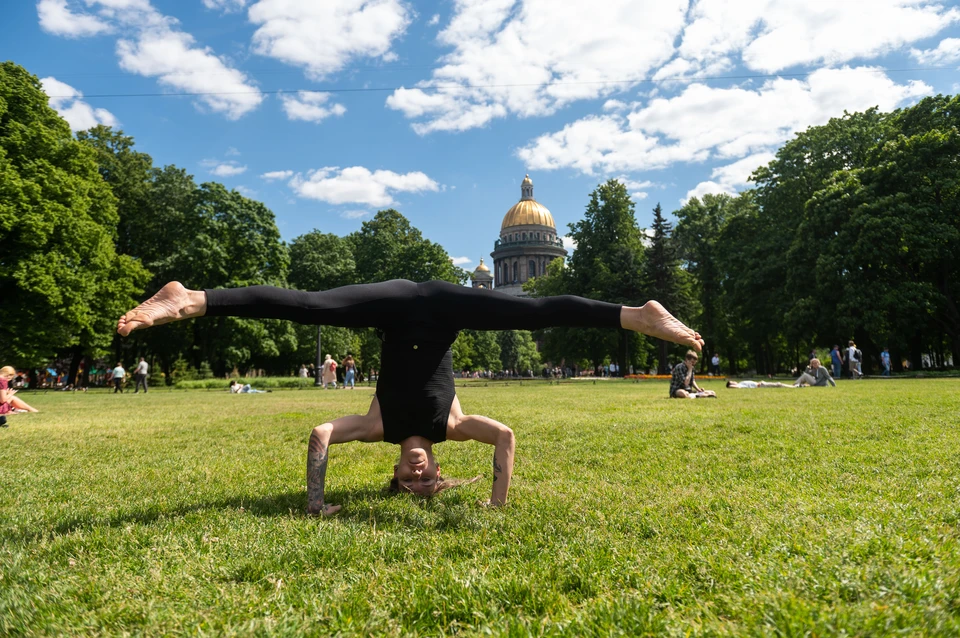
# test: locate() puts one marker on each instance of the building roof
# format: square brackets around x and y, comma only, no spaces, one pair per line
[527,211]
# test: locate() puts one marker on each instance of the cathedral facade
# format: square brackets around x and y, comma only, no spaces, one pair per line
[528,242]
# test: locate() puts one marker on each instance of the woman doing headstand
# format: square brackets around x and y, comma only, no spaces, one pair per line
[415,404]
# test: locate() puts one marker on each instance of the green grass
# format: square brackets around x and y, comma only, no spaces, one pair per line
[767,512]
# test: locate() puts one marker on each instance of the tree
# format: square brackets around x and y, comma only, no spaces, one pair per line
[663,279]
[62,282]
[389,247]
[321,261]
[518,351]
[606,266]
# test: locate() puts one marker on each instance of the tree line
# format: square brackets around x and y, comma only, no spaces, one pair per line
[90,227]
[851,232]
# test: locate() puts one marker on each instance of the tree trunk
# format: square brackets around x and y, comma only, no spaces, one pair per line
[75,362]
[623,352]
[916,352]
[662,347]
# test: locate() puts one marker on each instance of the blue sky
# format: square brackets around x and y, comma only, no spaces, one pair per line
[438,109]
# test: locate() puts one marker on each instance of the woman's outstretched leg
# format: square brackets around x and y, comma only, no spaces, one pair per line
[479,309]
[357,306]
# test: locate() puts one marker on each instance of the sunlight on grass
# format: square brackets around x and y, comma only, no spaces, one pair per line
[764,512]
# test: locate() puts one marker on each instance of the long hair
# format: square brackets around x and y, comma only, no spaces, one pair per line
[442,484]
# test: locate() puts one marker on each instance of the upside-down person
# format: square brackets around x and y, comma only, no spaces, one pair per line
[415,405]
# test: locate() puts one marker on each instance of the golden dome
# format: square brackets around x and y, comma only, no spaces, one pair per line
[482,267]
[528,212]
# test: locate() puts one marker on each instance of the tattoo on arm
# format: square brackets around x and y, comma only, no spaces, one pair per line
[316,473]
[496,468]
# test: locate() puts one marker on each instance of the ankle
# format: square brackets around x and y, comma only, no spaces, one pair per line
[196,305]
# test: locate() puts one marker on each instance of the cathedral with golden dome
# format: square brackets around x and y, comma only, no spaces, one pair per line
[528,242]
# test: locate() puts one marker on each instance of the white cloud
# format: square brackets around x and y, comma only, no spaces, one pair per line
[728,178]
[310,106]
[246,192]
[358,185]
[461,261]
[154,46]
[772,35]
[569,243]
[57,18]
[532,57]
[223,169]
[947,52]
[227,6]
[272,175]
[65,100]
[434,20]
[355,214]
[703,122]
[172,57]
[232,152]
[322,37]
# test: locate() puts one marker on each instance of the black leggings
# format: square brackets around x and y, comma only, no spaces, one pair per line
[398,302]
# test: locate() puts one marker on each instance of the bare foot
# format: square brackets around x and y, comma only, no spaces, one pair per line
[653,319]
[172,303]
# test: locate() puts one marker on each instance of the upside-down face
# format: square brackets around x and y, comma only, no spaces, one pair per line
[417,472]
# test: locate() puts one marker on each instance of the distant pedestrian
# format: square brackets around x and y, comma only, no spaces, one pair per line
[836,359]
[349,371]
[118,375]
[140,375]
[885,362]
[851,358]
[715,364]
[329,375]
[303,371]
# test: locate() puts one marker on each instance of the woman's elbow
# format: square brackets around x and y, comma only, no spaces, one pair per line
[506,438]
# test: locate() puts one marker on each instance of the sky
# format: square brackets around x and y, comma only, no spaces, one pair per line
[328,111]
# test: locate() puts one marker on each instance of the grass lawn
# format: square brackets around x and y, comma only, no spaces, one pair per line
[767,512]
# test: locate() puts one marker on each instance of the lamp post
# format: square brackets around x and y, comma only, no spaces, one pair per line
[319,369]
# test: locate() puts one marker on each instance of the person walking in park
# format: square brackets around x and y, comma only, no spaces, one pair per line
[885,362]
[715,364]
[415,405]
[140,375]
[836,359]
[9,402]
[303,371]
[329,374]
[815,375]
[118,375]
[349,371]
[683,384]
[851,357]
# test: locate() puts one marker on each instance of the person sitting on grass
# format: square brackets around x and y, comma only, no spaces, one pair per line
[757,384]
[683,385]
[415,405]
[815,375]
[8,402]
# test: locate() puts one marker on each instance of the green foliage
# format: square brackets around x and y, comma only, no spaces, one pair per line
[518,351]
[321,261]
[665,281]
[183,371]
[389,247]
[477,350]
[62,283]
[766,512]
[204,371]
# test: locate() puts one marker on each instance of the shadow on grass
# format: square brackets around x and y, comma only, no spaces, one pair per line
[359,506]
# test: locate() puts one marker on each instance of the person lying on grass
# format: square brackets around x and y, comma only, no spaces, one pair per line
[415,405]
[683,384]
[757,384]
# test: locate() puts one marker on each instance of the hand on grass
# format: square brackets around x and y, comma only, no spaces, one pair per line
[327,510]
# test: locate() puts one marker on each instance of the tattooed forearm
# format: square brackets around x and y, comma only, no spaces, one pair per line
[497,470]
[316,473]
